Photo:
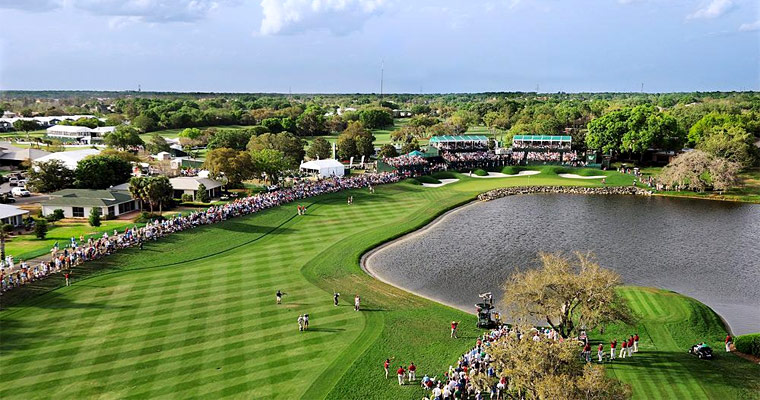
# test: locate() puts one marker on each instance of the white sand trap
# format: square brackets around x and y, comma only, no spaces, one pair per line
[444,182]
[574,176]
[500,175]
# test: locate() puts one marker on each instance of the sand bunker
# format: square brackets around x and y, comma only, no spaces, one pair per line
[575,176]
[500,175]
[444,182]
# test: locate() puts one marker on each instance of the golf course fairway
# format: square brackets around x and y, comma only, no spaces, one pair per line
[193,315]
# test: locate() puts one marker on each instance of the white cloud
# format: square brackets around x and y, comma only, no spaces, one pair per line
[713,9]
[337,16]
[31,5]
[750,26]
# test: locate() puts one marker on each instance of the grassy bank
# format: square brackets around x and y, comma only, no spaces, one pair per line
[193,315]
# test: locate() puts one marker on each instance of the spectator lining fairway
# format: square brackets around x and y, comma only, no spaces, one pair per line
[194,314]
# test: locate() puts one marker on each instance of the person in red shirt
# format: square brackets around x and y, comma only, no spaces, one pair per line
[412,372]
[454,325]
[729,340]
[613,345]
[636,343]
[386,366]
[600,352]
[587,352]
[66,275]
[624,349]
[630,346]
[400,373]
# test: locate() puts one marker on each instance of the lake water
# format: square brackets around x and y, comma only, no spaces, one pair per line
[708,250]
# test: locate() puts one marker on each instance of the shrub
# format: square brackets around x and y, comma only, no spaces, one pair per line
[147,217]
[95,216]
[480,172]
[748,344]
[412,181]
[40,228]
[57,215]
[428,179]
[512,170]
[187,198]
[443,175]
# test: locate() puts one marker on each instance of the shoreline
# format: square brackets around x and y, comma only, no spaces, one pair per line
[480,199]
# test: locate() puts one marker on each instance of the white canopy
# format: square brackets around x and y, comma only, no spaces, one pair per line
[325,168]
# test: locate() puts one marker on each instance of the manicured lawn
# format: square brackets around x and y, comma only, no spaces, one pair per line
[193,315]
[28,246]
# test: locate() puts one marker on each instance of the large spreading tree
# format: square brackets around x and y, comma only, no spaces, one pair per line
[567,293]
[50,176]
[234,165]
[102,172]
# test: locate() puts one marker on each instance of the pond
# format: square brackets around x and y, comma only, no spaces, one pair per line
[708,250]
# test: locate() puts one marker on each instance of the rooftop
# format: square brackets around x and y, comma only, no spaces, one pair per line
[543,138]
[87,198]
[459,138]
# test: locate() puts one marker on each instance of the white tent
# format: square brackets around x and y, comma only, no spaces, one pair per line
[325,168]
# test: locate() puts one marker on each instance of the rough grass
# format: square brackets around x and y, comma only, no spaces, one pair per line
[444,175]
[748,344]
[428,179]
[193,315]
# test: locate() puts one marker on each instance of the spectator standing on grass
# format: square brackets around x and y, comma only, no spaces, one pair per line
[613,344]
[305,321]
[278,295]
[636,343]
[623,348]
[587,352]
[67,276]
[387,366]
[630,346]
[400,372]
[454,325]
[335,298]
[300,323]
[412,372]
[729,340]
[357,302]
[600,352]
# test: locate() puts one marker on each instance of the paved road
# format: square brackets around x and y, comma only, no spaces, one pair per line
[6,187]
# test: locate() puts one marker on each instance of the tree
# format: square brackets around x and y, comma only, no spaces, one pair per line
[462,120]
[159,191]
[409,147]
[26,125]
[546,369]
[40,228]
[376,118]
[273,125]
[286,143]
[606,132]
[102,172]
[232,139]
[138,189]
[568,294]
[190,133]
[94,218]
[201,195]
[320,149]
[236,166]
[123,137]
[388,150]
[355,141]
[697,170]
[157,144]
[50,176]
[731,142]
[145,122]
[268,163]
[311,122]
[122,155]
[5,233]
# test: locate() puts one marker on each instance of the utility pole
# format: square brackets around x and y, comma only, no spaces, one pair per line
[642,87]
[382,72]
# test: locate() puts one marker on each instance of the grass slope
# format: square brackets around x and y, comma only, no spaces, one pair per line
[193,315]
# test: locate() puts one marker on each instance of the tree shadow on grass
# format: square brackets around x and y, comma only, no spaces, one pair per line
[333,330]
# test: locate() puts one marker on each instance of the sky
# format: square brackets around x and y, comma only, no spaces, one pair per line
[340,46]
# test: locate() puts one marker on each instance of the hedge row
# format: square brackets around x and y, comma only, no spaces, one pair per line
[748,344]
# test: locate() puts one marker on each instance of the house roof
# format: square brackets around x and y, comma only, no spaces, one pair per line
[23,154]
[192,183]
[69,158]
[87,198]
[7,211]
[69,128]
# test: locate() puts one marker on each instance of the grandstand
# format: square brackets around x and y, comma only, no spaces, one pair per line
[460,142]
[542,142]
[545,149]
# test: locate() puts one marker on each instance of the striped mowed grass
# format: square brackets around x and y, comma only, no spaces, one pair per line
[194,315]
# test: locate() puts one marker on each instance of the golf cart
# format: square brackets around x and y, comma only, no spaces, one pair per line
[484,311]
[701,350]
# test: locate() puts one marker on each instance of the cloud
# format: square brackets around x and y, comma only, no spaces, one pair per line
[31,5]
[128,11]
[713,9]
[750,26]
[337,16]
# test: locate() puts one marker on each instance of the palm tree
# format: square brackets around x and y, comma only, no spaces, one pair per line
[138,188]
[5,233]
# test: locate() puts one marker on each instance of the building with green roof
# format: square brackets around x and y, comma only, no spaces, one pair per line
[77,203]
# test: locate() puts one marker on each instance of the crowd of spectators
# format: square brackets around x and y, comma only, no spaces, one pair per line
[478,159]
[79,251]
[533,145]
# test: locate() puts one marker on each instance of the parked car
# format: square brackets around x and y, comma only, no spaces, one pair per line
[13,181]
[20,192]
[702,351]
[6,198]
